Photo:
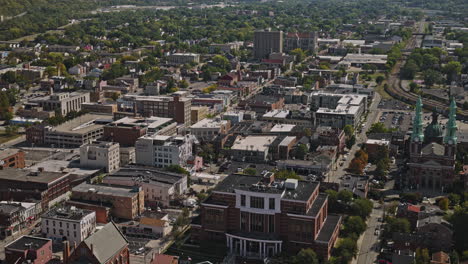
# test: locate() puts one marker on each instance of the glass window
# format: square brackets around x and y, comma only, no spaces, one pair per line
[257,202]
[272,204]
[242,200]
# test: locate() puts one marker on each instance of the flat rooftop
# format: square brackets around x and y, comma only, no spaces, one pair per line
[209,123]
[281,128]
[277,114]
[83,124]
[257,143]
[67,213]
[148,174]
[328,228]
[23,175]
[232,182]
[105,189]
[28,242]
[150,122]
[5,153]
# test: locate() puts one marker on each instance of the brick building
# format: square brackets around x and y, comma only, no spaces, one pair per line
[125,202]
[29,249]
[259,217]
[12,158]
[24,185]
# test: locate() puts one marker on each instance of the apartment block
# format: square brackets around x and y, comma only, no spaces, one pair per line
[207,129]
[125,202]
[68,224]
[306,41]
[266,42]
[162,151]
[183,58]
[99,155]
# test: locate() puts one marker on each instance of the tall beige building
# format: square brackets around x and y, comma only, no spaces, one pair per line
[266,42]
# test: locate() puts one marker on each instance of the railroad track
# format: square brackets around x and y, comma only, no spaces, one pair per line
[396,91]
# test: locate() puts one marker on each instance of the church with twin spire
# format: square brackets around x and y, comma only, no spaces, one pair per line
[432,151]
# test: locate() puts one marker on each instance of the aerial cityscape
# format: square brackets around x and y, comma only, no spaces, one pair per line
[250,132]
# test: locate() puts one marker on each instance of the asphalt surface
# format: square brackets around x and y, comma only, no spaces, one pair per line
[368,251]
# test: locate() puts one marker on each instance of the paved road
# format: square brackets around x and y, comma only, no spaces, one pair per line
[374,113]
[368,252]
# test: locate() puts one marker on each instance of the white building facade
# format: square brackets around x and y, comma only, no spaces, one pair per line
[68,224]
[163,151]
[98,155]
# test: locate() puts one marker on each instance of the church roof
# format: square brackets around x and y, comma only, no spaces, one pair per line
[433,149]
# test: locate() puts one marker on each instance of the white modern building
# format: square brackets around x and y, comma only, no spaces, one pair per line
[207,129]
[63,102]
[68,224]
[252,148]
[183,58]
[100,154]
[162,151]
[338,110]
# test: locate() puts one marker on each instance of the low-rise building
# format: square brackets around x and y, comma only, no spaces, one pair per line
[359,186]
[252,148]
[99,108]
[68,224]
[163,151]
[76,132]
[99,155]
[12,158]
[29,249]
[160,186]
[106,246]
[23,185]
[125,202]
[15,216]
[183,58]
[207,129]
[198,113]
[63,102]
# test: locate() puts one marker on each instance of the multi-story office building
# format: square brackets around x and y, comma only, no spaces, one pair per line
[68,224]
[338,110]
[23,185]
[15,216]
[160,186]
[175,107]
[306,41]
[99,155]
[127,130]
[162,151]
[252,148]
[74,133]
[183,58]
[208,129]
[63,102]
[259,217]
[267,42]
[125,202]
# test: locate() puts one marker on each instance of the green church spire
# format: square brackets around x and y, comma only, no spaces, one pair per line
[418,134]
[451,126]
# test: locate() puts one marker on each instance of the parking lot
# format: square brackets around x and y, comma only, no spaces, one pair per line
[393,105]
[400,120]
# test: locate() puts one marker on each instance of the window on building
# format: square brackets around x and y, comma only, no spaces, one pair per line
[74,233]
[242,200]
[74,226]
[272,203]
[214,216]
[257,222]
[60,224]
[47,222]
[244,221]
[53,231]
[257,202]
[271,223]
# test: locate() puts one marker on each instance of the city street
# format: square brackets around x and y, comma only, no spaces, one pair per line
[360,138]
[369,241]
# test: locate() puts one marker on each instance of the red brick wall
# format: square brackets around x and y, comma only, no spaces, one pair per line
[14,161]
[124,136]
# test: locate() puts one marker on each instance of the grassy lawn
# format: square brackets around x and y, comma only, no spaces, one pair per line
[378,88]
[5,138]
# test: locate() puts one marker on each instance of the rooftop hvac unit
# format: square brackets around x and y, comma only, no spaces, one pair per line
[291,184]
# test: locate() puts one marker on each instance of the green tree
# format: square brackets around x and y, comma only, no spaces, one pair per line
[354,225]
[377,128]
[250,171]
[115,96]
[409,70]
[432,77]
[443,203]
[9,77]
[221,62]
[452,69]
[348,130]
[422,256]
[345,196]
[429,61]
[346,249]
[351,141]
[454,199]
[287,174]
[301,151]
[379,79]
[306,256]
[183,84]
[299,53]
[362,207]
[397,225]
[413,87]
